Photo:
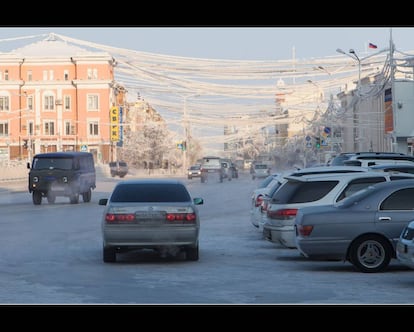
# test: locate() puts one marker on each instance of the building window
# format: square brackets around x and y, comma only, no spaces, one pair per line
[49,103]
[30,103]
[67,103]
[93,128]
[92,74]
[45,75]
[51,75]
[4,129]
[48,127]
[29,75]
[6,75]
[30,126]
[69,129]
[1,76]
[93,103]
[4,103]
[66,75]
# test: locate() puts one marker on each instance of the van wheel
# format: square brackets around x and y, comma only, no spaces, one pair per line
[37,197]
[87,195]
[74,198]
[51,197]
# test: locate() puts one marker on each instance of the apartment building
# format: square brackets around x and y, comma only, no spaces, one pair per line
[58,97]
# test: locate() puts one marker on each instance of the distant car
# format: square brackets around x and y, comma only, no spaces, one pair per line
[211,169]
[229,169]
[405,246]
[194,171]
[260,171]
[157,214]
[118,168]
[363,229]
[313,190]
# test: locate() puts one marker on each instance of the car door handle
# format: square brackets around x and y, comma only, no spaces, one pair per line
[384,218]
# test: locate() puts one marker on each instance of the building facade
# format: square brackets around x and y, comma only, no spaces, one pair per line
[59,97]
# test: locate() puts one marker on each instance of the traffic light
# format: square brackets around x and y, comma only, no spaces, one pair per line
[318,142]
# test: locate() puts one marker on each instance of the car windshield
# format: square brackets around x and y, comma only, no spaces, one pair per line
[52,163]
[150,192]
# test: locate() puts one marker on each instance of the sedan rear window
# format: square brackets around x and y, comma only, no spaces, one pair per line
[156,193]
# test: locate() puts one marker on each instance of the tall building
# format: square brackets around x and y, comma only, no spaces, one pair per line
[58,97]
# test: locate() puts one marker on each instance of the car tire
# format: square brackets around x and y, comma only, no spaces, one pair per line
[37,198]
[370,254]
[192,253]
[109,254]
[74,198]
[87,195]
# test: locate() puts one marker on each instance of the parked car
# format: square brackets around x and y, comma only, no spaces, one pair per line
[405,246]
[67,174]
[405,167]
[260,171]
[261,196]
[313,190]
[156,214]
[118,168]
[363,229]
[194,171]
[342,157]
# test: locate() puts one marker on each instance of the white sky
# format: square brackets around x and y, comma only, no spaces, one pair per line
[235,43]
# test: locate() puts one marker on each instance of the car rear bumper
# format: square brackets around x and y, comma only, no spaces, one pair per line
[284,235]
[145,237]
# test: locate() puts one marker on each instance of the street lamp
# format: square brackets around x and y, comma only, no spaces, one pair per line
[352,54]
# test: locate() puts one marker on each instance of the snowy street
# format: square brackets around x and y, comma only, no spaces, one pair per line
[52,254]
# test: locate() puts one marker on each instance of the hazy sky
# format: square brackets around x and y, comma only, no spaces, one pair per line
[233,43]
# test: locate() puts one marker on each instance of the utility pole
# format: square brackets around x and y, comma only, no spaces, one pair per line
[392,78]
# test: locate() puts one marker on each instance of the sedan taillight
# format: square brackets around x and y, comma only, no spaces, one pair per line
[111,217]
[185,218]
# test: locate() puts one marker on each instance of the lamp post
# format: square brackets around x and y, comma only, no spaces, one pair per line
[185,125]
[352,54]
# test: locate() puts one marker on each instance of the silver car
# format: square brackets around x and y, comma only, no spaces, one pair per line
[363,229]
[405,246]
[312,190]
[157,214]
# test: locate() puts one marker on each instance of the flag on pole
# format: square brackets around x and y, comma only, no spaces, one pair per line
[371,45]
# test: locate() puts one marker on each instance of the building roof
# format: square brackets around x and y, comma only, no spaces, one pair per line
[51,47]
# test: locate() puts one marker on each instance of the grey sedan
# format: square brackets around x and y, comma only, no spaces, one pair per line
[362,229]
[156,214]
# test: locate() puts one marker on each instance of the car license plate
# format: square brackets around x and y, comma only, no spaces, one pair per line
[149,215]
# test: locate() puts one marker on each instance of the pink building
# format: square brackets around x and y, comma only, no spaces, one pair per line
[58,97]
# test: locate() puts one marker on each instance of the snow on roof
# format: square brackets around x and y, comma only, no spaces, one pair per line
[51,46]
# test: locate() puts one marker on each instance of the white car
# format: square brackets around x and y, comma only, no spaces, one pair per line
[261,196]
[313,190]
[405,246]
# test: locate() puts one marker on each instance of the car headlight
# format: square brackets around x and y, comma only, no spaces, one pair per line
[35,179]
